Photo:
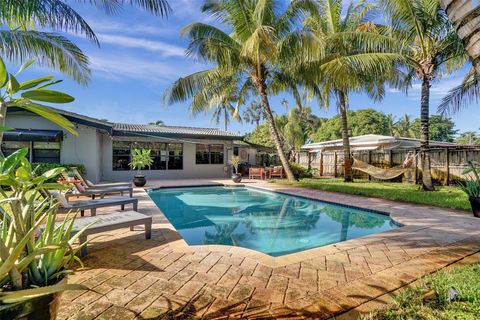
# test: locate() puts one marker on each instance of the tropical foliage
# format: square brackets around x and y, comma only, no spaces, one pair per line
[468,137]
[35,251]
[141,159]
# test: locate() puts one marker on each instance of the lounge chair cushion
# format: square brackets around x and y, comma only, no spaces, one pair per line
[80,187]
[62,200]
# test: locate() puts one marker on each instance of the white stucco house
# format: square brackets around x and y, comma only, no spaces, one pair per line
[105,148]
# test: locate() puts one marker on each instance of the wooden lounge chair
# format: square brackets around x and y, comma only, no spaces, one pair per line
[276,172]
[256,173]
[93,205]
[92,193]
[109,222]
[89,185]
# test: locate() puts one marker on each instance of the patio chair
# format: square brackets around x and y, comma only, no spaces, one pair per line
[276,172]
[93,205]
[92,193]
[256,173]
[89,185]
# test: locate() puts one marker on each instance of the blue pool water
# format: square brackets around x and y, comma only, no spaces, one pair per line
[269,222]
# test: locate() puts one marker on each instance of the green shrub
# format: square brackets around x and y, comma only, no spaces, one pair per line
[41,168]
[299,172]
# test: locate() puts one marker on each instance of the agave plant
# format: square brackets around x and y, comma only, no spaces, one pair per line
[36,252]
[25,95]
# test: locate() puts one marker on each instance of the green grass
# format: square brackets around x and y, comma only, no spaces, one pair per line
[444,196]
[413,304]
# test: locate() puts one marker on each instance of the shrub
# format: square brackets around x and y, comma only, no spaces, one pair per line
[300,172]
[41,168]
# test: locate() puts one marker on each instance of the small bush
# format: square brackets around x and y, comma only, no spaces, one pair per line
[41,168]
[300,172]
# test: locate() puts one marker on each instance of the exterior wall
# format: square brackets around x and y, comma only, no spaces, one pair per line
[190,168]
[83,149]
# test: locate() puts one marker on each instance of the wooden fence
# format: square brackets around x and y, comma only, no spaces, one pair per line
[447,163]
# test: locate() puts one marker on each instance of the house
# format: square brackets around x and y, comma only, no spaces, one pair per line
[105,148]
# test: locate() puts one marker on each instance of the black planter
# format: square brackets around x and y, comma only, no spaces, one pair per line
[237,178]
[475,203]
[40,308]
[139,181]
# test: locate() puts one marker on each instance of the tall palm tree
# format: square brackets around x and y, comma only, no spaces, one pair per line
[339,69]
[391,125]
[20,39]
[430,48]
[465,16]
[250,53]
[254,113]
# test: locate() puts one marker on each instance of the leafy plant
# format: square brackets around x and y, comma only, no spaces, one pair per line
[141,159]
[25,94]
[41,167]
[471,186]
[35,251]
[234,162]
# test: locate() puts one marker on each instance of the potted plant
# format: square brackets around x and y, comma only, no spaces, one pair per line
[234,162]
[141,159]
[36,249]
[471,186]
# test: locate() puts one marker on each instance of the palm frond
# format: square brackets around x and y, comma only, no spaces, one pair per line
[156,7]
[461,96]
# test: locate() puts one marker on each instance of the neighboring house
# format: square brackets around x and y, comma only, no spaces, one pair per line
[105,148]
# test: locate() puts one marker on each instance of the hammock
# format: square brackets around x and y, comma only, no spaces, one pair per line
[379,173]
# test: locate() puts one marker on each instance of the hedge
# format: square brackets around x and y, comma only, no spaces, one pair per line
[41,167]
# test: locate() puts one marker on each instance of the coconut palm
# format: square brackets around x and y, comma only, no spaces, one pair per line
[465,15]
[250,53]
[430,48]
[391,125]
[405,127]
[254,113]
[20,40]
[343,67]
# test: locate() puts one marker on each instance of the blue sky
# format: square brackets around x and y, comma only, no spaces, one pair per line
[141,55]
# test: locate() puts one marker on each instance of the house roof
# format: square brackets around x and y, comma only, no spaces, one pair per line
[375,141]
[123,129]
[172,131]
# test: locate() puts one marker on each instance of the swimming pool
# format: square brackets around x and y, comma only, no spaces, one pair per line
[269,222]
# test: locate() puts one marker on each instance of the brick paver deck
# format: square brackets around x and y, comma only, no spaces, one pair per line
[131,277]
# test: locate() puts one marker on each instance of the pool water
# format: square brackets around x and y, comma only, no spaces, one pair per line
[269,222]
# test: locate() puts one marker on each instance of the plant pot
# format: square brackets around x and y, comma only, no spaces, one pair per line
[475,203]
[40,308]
[236,177]
[139,181]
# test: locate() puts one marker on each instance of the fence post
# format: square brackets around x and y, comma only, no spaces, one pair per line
[447,166]
[369,162]
[416,166]
[335,164]
[321,164]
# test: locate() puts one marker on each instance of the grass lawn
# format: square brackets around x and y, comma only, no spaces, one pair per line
[428,300]
[445,196]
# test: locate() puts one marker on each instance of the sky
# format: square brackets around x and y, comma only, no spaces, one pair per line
[141,55]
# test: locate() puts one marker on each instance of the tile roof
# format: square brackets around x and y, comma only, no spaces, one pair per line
[174,130]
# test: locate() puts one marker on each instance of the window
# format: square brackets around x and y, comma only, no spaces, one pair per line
[235,151]
[46,152]
[121,155]
[9,147]
[165,156]
[209,154]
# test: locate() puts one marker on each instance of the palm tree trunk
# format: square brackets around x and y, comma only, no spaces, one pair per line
[347,156]
[465,16]
[424,136]
[225,119]
[262,91]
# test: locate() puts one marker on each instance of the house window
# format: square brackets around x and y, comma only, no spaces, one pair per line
[165,156]
[209,154]
[175,156]
[121,155]
[235,151]
[46,152]
[9,147]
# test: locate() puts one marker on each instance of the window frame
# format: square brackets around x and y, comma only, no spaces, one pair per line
[209,156]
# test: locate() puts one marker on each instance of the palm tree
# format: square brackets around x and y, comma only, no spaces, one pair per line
[20,40]
[405,127]
[465,16]
[254,113]
[430,48]
[391,124]
[157,123]
[342,68]
[468,137]
[249,53]
[461,96]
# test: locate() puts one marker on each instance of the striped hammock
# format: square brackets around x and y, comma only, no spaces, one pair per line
[378,173]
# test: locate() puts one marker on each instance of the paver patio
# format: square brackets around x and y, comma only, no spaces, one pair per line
[131,277]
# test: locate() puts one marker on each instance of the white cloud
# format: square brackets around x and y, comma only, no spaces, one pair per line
[111,26]
[164,48]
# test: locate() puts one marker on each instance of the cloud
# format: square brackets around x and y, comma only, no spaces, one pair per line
[111,26]
[164,48]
